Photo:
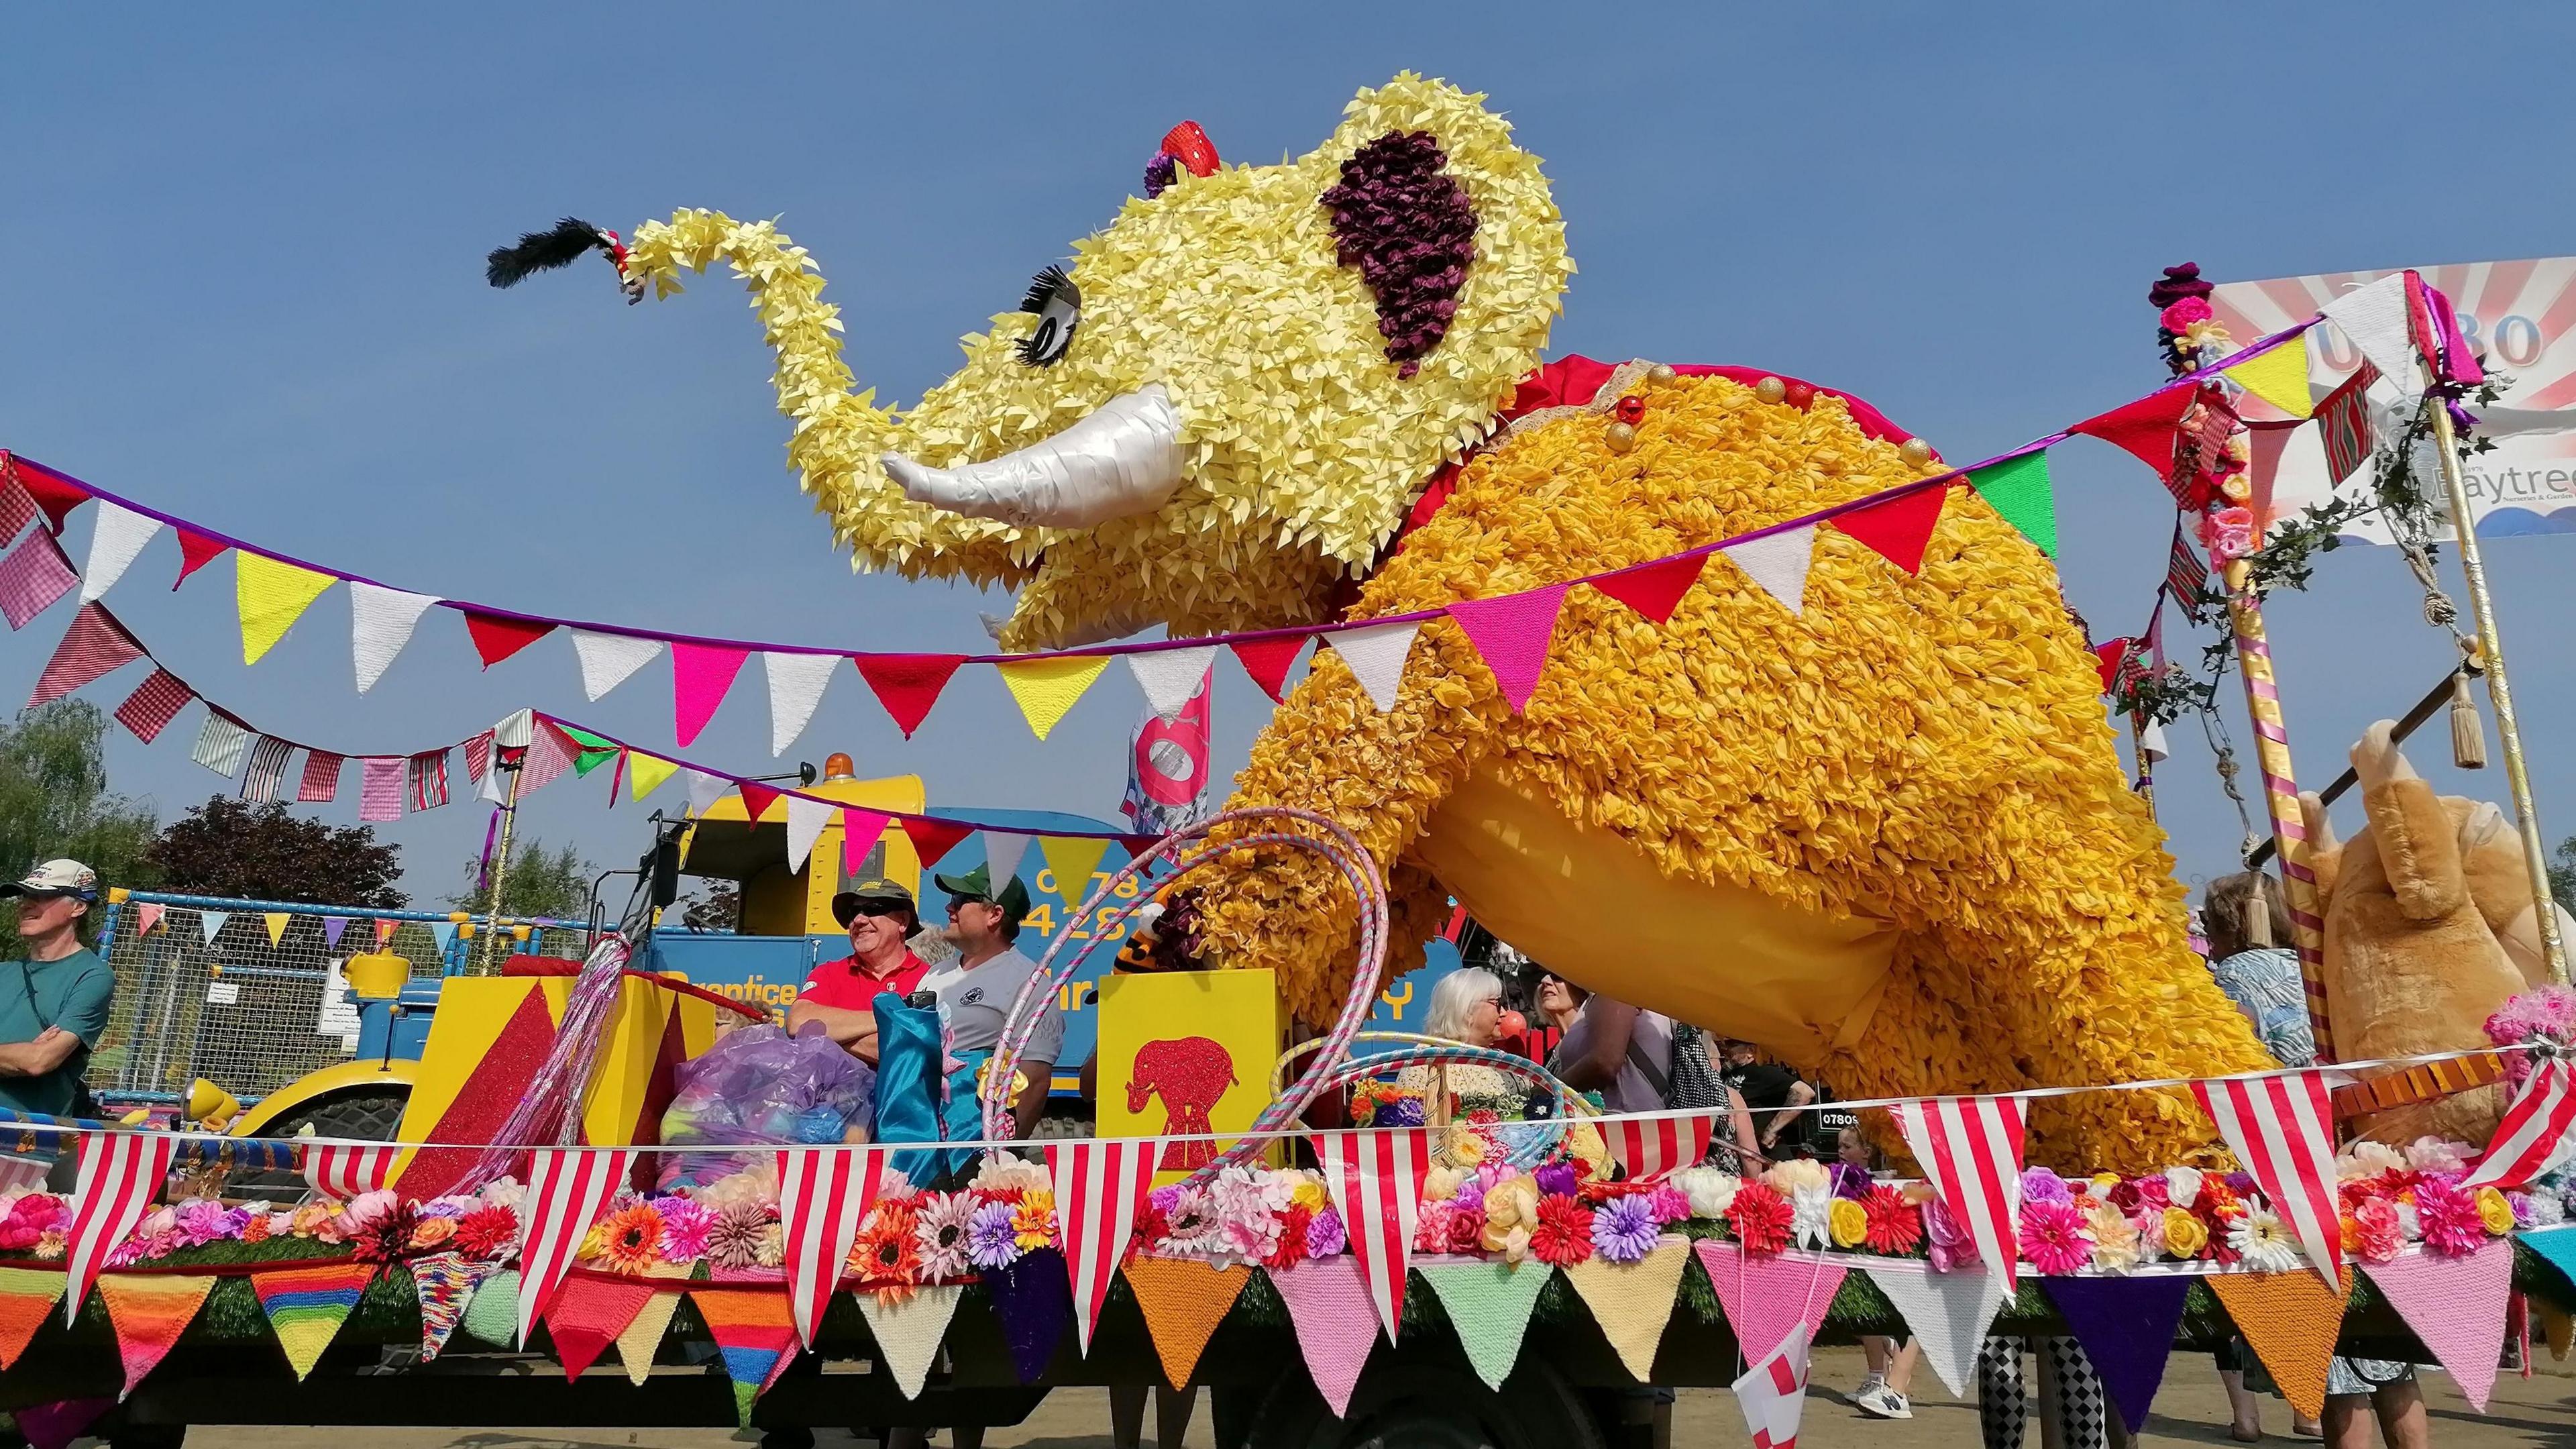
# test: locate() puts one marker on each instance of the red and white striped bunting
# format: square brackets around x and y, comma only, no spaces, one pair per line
[119,1174]
[824,1194]
[1773,1393]
[1375,1179]
[1652,1148]
[2533,1136]
[566,1191]
[1970,1148]
[2280,1127]
[344,1172]
[1100,1187]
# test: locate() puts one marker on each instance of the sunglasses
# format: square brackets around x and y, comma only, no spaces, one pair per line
[878,911]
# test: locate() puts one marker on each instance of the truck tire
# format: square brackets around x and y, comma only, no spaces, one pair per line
[364,1115]
[1406,1404]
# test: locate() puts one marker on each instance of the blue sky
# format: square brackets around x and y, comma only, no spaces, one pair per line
[242,282]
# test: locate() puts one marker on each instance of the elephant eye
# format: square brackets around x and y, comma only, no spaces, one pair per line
[1057,304]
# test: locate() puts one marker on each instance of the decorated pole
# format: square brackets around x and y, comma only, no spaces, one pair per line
[501,855]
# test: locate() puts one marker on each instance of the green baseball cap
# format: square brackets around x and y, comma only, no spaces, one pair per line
[977,885]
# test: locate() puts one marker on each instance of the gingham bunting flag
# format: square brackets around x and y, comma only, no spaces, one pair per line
[2533,1137]
[824,1193]
[33,575]
[1655,1146]
[567,1189]
[2281,1128]
[380,787]
[153,704]
[120,1172]
[344,1172]
[1376,1182]
[268,756]
[94,646]
[321,783]
[1970,1149]
[1100,1186]
[1773,1393]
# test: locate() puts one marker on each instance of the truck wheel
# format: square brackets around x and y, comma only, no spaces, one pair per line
[365,1116]
[1412,1405]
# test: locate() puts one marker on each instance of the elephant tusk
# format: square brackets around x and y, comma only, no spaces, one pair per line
[1124,458]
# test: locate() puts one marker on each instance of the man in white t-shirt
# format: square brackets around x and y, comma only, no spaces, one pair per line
[977,989]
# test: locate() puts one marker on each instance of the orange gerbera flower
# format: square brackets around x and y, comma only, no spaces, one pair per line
[633,1239]
[885,1252]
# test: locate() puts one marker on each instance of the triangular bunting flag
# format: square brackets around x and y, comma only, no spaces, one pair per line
[272,595]
[1767,1294]
[332,926]
[1949,1313]
[1778,562]
[2533,1136]
[860,832]
[2281,1126]
[27,1295]
[57,1424]
[700,675]
[32,577]
[2457,1307]
[118,534]
[806,817]
[1002,852]
[753,1335]
[56,494]
[1773,1394]
[1653,589]
[147,914]
[148,1312]
[306,1306]
[1033,1297]
[705,790]
[907,684]
[1072,858]
[1170,677]
[1375,1179]
[2144,429]
[587,1314]
[933,839]
[908,1330]
[1269,660]
[276,925]
[1329,1303]
[444,933]
[1971,1150]
[1099,1189]
[491,1310]
[609,660]
[1512,633]
[497,636]
[2292,1320]
[1047,685]
[1183,1300]
[756,799]
[1489,1305]
[645,773]
[2279,376]
[642,1337]
[444,1283]
[1375,656]
[381,621]
[2375,318]
[93,647]
[2126,1325]
[1899,529]
[195,552]
[2019,492]
[1633,1301]
[212,923]
[796,685]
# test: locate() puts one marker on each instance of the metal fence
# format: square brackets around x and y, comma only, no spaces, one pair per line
[248,993]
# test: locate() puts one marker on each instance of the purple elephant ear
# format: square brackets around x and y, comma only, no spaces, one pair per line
[1410,229]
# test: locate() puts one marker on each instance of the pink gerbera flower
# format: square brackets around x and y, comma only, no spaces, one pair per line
[2053,1237]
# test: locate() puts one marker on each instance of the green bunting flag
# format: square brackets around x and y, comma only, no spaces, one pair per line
[2017,488]
[593,750]
[1489,1305]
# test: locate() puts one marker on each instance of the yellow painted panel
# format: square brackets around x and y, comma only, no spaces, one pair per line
[1186,1051]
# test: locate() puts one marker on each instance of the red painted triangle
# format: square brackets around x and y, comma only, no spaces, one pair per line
[1654,589]
[195,552]
[53,492]
[907,684]
[933,839]
[1268,662]
[756,800]
[2144,428]
[1899,529]
[497,638]
[491,1092]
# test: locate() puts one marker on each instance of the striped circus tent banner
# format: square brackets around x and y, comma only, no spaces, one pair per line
[1651,1148]
[2533,1138]
[2281,1128]
[120,1173]
[824,1193]
[567,1189]
[1375,1179]
[345,1170]
[1100,1187]
[1970,1148]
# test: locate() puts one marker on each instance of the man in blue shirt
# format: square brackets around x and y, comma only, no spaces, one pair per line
[54,1000]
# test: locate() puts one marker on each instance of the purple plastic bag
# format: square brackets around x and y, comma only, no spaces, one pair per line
[759,1086]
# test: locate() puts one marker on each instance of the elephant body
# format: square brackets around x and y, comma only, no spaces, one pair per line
[1191,1074]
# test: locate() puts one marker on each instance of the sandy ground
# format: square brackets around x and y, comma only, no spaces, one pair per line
[2539,1412]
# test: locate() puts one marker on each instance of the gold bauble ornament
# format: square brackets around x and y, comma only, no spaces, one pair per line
[1620,436]
[1916,452]
[1661,372]
[1770,389]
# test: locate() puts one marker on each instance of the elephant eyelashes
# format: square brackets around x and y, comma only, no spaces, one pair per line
[1057,304]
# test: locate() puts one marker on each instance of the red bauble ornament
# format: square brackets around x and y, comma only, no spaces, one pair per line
[1630,409]
[1798,395]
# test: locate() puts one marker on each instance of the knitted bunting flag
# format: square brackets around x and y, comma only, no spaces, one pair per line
[1072,859]
[1375,1179]
[1099,1188]
[700,675]
[1047,685]
[1633,1301]
[1899,529]
[321,782]
[806,817]
[2144,429]
[860,832]
[2281,1127]
[1970,1149]
[272,594]
[221,742]
[497,636]
[381,621]
[1183,1300]
[2376,318]
[1375,656]
[908,1329]
[2343,424]
[2019,492]
[2456,1306]
[1512,634]
[148,1312]
[425,780]
[1172,677]
[587,1314]
[120,1172]
[195,552]
[1652,589]
[92,647]
[642,1337]
[1948,1313]
[33,575]
[1766,1295]
[824,1193]
[1330,1304]
[307,1304]
[567,1189]
[1651,1147]
[153,704]
[268,756]
[1268,661]
[491,1310]
[796,685]
[2278,375]
[1033,1299]
[2126,1325]
[57,1424]
[117,535]
[933,839]
[1779,563]
[380,787]
[2292,1321]
[1488,1303]
[907,684]
[342,1171]
[445,1283]
[752,1334]
[609,660]
[26,1296]
[1773,1394]
[2534,1135]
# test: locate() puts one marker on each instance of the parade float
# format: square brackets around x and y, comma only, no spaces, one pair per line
[1713,689]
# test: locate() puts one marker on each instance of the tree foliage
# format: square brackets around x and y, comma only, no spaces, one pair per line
[542,882]
[54,800]
[228,847]
[2562,874]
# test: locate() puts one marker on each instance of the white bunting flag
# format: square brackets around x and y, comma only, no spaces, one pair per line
[824,1193]
[2534,1135]
[609,660]
[1653,1146]
[1376,657]
[1002,852]
[119,535]
[1170,677]
[567,1190]
[1099,1189]
[2281,1128]
[909,1330]
[1773,1394]
[1949,1313]
[796,685]
[1375,1179]
[212,923]
[805,821]
[2374,317]
[1778,562]
[119,1174]
[221,743]
[1970,1149]
[343,1172]
[380,624]
[705,790]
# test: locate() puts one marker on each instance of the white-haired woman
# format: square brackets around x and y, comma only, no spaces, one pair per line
[1467,1006]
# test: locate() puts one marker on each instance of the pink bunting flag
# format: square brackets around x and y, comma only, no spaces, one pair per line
[119,1174]
[2456,1306]
[1375,1178]
[1768,1296]
[94,646]
[380,788]
[1512,633]
[1329,1304]
[860,832]
[824,1193]
[1970,1149]
[33,575]
[700,675]
[147,914]
[321,782]
[1100,1186]
[550,753]
[2281,1127]
[567,1190]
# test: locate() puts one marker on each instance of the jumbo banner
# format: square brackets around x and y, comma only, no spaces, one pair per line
[2520,316]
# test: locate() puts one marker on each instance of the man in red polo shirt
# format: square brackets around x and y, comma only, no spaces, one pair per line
[842,994]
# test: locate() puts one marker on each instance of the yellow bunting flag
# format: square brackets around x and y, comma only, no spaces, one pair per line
[1047,686]
[276,925]
[2292,1323]
[2278,377]
[272,596]
[647,772]
[1633,1301]
[642,1337]
[1183,1300]
[1072,859]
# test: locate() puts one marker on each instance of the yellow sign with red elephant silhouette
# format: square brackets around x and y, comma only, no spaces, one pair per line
[1186,1052]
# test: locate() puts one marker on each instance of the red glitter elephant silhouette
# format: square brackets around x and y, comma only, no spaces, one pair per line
[1190,1074]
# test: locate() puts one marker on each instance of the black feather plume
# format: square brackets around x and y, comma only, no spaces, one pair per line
[540,251]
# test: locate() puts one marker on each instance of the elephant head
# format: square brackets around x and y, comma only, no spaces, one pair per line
[1222,406]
